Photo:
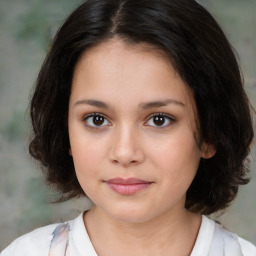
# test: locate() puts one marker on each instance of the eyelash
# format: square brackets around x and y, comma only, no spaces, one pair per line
[85,119]
[170,118]
[93,115]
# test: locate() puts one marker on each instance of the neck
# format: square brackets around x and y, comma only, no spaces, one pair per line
[170,232]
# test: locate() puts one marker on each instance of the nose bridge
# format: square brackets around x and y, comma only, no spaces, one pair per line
[126,147]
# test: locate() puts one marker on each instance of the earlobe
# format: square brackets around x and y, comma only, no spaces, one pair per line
[208,151]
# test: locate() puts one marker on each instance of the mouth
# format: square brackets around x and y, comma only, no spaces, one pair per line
[127,187]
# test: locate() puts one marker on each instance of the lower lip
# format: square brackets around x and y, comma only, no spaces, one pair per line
[128,189]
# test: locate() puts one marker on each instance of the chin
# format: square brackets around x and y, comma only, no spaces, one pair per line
[130,214]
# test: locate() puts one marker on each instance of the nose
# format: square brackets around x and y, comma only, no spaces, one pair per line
[126,147]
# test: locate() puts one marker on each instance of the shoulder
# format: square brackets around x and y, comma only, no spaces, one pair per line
[231,243]
[36,242]
[214,239]
[248,248]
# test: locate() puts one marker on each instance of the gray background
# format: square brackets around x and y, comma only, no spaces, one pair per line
[27,27]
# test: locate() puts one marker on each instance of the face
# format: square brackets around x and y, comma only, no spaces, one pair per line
[132,132]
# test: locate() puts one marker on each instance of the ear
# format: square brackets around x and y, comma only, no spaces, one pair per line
[70,152]
[208,150]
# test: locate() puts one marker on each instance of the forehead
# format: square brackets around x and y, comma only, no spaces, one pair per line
[117,68]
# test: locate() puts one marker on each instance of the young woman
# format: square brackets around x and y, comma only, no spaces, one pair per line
[139,106]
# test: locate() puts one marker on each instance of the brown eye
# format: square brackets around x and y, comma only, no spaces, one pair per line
[96,120]
[160,120]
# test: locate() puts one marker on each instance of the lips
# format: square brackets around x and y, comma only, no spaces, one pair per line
[127,187]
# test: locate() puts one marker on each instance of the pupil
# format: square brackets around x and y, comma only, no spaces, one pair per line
[159,120]
[98,120]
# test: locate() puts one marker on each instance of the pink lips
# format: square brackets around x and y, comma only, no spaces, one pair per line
[127,187]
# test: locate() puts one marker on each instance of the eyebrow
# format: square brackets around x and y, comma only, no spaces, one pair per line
[160,103]
[95,103]
[146,105]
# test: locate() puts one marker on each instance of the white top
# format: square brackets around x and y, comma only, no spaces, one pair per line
[72,239]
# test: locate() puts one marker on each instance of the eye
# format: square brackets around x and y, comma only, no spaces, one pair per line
[96,120]
[160,120]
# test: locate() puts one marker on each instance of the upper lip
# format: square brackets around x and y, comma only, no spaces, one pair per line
[128,181]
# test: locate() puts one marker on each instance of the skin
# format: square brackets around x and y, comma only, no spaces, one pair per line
[129,143]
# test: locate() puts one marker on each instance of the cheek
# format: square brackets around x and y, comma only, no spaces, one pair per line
[177,156]
[175,148]
[87,155]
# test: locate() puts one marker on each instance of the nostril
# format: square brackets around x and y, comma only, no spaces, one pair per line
[125,163]
[125,150]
